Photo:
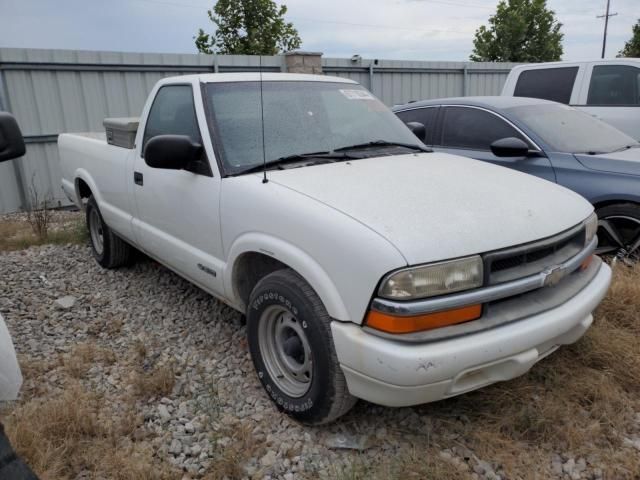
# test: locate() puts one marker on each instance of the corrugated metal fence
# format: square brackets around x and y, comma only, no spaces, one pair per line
[54,91]
[399,81]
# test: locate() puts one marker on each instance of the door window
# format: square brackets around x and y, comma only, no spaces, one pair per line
[555,84]
[172,113]
[614,85]
[475,129]
[425,116]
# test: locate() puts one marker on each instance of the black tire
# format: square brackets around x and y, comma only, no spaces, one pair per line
[619,231]
[327,396]
[113,252]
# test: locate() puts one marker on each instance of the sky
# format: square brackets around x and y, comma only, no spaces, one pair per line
[383,29]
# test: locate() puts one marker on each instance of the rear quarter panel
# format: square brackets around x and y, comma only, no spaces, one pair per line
[105,169]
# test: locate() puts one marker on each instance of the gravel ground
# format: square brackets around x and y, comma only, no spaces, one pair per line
[216,415]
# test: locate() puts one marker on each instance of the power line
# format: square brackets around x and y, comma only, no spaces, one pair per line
[606,24]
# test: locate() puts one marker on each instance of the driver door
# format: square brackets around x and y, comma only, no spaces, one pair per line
[177,219]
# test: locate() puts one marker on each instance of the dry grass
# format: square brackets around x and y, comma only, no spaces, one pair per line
[84,356]
[414,464]
[72,432]
[39,220]
[158,382]
[16,234]
[150,378]
[229,460]
[582,401]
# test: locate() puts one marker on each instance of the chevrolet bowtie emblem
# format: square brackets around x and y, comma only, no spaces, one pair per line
[553,275]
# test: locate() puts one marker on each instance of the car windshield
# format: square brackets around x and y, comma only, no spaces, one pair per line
[299,118]
[566,129]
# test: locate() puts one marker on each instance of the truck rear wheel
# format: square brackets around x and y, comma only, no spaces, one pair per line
[292,349]
[109,250]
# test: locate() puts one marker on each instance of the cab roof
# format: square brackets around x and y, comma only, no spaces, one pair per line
[255,77]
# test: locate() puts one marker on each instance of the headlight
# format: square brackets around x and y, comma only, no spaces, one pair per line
[435,279]
[591,228]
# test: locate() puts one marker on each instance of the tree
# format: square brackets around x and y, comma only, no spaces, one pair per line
[632,47]
[520,31]
[248,27]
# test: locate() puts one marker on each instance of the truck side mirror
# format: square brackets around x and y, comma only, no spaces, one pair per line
[510,147]
[418,129]
[11,141]
[173,152]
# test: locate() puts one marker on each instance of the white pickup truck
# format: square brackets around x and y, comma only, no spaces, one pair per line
[608,89]
[367,266]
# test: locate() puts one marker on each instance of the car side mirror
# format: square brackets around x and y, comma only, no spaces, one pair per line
[172,152]
[418,129]
[510,147]
[11,140]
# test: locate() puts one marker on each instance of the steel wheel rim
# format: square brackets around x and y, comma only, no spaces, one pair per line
[95,229]
[285,351]
[619,236]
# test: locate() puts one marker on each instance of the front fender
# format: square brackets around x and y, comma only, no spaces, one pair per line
[293,257]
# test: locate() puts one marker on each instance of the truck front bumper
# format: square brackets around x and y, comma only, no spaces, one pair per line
[395,373]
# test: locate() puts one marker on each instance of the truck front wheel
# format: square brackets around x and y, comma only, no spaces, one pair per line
[109,250]
[292,349]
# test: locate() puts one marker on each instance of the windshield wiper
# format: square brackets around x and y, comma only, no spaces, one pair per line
[296,157]
[384,143]
[337,154]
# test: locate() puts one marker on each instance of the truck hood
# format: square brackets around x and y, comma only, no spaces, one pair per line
[435,206]
[627,161]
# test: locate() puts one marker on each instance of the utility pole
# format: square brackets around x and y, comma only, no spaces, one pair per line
[606,24]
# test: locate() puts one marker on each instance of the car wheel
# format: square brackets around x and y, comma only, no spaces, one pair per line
[109,250]
[292,349]
[619,231]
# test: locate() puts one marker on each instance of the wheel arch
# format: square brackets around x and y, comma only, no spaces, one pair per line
[255,255]
[621,240]
[614,201]
[84,187]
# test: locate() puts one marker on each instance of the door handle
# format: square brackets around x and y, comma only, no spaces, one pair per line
[137,178]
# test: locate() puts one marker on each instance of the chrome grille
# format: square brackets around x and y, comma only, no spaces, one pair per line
[532,258]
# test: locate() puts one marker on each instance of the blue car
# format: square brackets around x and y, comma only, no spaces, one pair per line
[551,141]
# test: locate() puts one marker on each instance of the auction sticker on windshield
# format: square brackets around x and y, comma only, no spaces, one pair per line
[357,94]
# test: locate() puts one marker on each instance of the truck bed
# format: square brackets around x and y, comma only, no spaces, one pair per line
[100,136]
[111,172]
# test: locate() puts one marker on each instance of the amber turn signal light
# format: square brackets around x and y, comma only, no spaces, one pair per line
[418,323]
[586,262]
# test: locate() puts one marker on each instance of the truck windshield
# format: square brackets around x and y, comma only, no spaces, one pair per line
[299,118]
[566,129]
